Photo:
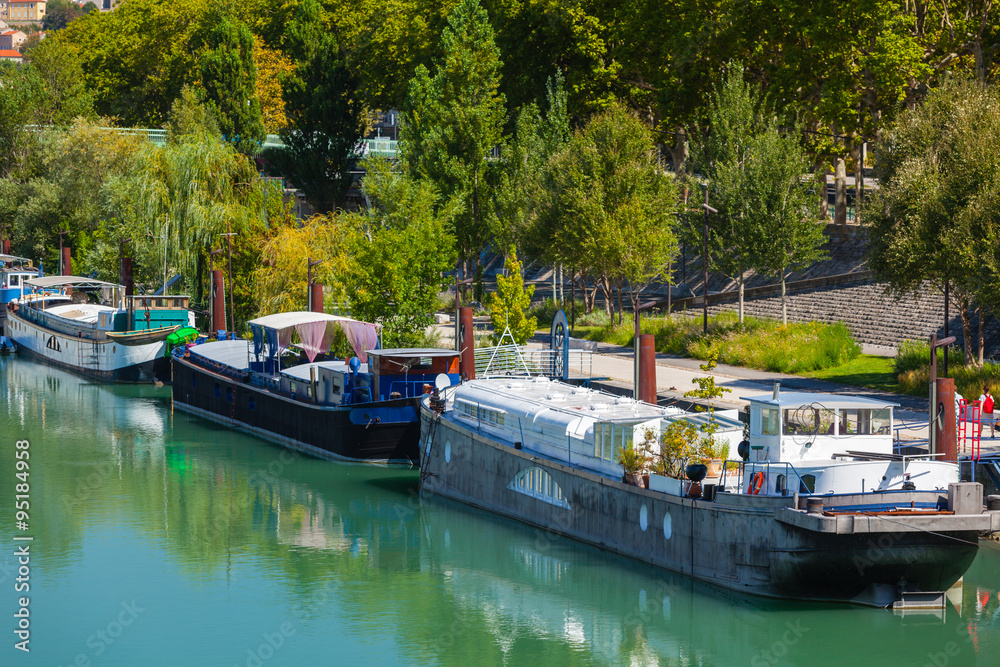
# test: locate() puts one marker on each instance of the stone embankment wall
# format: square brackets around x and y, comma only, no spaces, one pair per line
[840,288]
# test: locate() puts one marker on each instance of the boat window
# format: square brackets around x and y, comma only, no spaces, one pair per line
[882,421]
[827,420]
[769,421]
[808,484]
[194,379]
[15,280]
[779,485]
[609,439]
[801,420]
[854,421]
[251,403]
[218,392]
[229,394]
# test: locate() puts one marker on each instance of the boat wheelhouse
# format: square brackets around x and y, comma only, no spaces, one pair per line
[827,444]
[364,408]
[817,486]
[91,327]
[14,271]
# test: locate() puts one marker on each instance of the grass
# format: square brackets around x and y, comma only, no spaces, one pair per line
[865,370]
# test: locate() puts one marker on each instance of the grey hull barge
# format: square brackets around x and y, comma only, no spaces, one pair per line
[867,527]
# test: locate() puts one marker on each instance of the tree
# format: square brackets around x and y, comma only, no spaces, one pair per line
[611,207]
[509,304]
[398,254]
[324,110]
[229,77]
[63,94]
[59,13]
[454,120]
[936,216]
[20,88]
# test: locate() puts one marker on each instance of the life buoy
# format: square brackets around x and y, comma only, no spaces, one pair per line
[756,483]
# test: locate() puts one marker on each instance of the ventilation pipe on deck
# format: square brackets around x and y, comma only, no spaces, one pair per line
[944,424]
[316,297]
[777,391]
[128,281]
[466,344]
[218,301]
[646,389]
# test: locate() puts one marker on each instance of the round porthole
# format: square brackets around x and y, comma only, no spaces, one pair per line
[643,518]
[447,452]
[668,526]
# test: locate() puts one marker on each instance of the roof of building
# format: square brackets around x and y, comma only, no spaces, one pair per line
[9,53]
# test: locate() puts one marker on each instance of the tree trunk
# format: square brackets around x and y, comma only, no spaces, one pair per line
[784,299]
[740,282]
[572,302]
[840,183]
[609,298]
[858,180]
[980,335]
[963,311]
[824,204]
[679,151]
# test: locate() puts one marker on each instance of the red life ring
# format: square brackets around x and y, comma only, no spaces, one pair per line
[756,483]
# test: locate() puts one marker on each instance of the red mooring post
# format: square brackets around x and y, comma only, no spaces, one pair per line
[218,301]
[67,261]
[647,368]
[466,343]
[316,297]
[944,426]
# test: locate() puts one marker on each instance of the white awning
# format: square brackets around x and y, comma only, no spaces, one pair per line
[68,281]
[281,321]
[13,258]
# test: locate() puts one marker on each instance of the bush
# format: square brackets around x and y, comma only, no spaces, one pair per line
[969,380]
[916,355]
[544,311]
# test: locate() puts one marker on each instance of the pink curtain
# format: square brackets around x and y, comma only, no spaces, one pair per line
[284,338]
[312,335]
[362,336]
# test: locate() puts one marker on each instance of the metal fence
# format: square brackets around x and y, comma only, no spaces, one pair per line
[519,360]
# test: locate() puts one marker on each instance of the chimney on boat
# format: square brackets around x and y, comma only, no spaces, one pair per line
[944,425]
[646,391]
[777,391]
[316,297]
[6,247]
[466,344]
[218,301]
[127,279]
[67,261]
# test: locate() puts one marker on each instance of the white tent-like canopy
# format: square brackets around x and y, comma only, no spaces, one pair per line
[316,331]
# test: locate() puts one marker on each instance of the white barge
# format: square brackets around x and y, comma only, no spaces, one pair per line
[818,509]
[90,327]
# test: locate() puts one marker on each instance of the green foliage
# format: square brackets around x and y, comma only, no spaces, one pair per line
[969,380]
[19,91]
[677,444]
[610,212]
[707,389]
[916,355]
[509,304]
[191,118]
[398,252]
[60,13]
[325,113]
[63,94]
[633,459]
[453,120]
[229,78]
[936,215]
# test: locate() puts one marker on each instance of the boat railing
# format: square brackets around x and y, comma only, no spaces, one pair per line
[409,388]
[520,360]
[767,465]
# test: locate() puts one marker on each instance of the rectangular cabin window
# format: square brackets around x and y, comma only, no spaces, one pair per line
[827,421]
[882,421]
[801,420]
[15,280]
[854,421]
[769,421]
[605,441]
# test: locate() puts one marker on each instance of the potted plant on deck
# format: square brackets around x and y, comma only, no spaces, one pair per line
[668,464]
[633,460]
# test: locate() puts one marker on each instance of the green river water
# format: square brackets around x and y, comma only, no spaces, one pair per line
[162,539]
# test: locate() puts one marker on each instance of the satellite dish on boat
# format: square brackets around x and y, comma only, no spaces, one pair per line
[442,382]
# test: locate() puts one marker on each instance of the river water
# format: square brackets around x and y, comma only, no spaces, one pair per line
[162,539]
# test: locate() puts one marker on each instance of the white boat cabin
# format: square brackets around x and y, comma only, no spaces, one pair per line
[576,425]
[830,444]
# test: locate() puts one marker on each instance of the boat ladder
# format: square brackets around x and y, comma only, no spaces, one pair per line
[87,355]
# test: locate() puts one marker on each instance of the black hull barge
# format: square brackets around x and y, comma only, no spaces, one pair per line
[527,450]
[329,409]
